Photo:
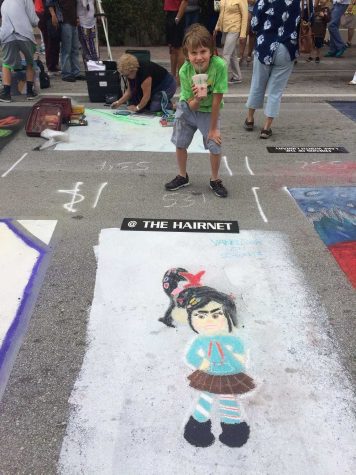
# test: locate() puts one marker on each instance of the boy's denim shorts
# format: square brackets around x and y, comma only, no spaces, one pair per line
[187,122]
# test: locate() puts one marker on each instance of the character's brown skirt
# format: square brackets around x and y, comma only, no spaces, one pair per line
[228,384]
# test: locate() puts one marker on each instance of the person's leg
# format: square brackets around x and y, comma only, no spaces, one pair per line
[182,157]
[10,57]
[52,48]
[43,28]
[251,45]
[28,50]
[235,62]
[83,39]
[74,56]
[169,87]
[243,41]
[173,60]
[66,50]
[258,87]
[215,160]
[203,120]
[229,51]
[177,60]
[350,35]
[6,75]
[280,72]
[336,42]
[183,132]
[93,53]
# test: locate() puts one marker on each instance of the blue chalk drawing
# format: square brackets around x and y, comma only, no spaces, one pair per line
[21,316]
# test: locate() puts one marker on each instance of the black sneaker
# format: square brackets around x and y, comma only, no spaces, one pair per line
[30,96]
[218,188]
[177,182]
[265,134]
[235,81]
[69,78]
[5,97]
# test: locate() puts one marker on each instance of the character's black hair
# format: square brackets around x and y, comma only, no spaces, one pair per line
[170,282]
[194,298]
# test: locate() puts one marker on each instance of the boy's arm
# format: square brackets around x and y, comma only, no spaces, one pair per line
[214,132]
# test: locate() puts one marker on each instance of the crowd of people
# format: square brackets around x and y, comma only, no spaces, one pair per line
[64,25]
[267,30]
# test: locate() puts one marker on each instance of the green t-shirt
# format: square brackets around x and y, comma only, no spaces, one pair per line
[217,82]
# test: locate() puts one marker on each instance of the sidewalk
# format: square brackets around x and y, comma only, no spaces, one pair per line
[309,81]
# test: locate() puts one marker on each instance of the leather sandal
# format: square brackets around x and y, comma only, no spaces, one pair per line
[265,133]
[248,125]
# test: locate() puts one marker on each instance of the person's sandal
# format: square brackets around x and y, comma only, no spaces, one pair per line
[265,134]
[317,59]
[248,125]
[309,60]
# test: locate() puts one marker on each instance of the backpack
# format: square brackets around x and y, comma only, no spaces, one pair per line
[44,78]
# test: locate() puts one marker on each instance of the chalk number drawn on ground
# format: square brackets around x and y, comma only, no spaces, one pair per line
[77,196]
[134,167]
[178,200]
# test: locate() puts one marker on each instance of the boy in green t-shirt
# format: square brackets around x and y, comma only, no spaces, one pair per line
[196,112]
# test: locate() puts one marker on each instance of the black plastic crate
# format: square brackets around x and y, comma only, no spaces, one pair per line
[103,83]
[141,54]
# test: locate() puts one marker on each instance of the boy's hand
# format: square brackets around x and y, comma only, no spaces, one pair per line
[214,135]
[195,90]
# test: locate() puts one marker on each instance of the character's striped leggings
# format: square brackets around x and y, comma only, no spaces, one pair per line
[230,412]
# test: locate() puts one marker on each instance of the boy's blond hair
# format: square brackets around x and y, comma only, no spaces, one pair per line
[197,36]
[127,64]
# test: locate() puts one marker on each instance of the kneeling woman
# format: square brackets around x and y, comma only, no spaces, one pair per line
[148,82]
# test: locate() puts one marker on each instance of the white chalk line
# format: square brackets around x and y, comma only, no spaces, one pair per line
[263,216]
[248,166]
[227,165]
[102,186]
[13,166]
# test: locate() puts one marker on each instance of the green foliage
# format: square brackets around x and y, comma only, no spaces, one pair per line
[137,22]
[134,22]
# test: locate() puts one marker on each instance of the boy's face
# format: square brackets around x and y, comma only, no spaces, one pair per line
[200,58]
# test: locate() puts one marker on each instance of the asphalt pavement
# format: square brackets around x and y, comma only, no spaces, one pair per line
[45,360]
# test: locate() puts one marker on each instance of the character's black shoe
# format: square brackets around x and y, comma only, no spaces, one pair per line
[198,433]
[234,435]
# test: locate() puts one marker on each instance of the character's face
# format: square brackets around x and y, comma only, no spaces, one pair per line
[210,320]
[200,58]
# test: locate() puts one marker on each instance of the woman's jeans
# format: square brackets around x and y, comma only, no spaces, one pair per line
[336,42]
[69,51]
[169,85]
[271,79]
[230,54]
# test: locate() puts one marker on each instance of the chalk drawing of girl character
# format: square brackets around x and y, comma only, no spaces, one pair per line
[218,356]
